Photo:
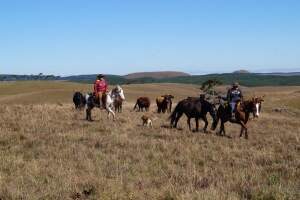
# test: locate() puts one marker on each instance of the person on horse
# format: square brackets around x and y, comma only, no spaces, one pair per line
[234,94]
[100,88]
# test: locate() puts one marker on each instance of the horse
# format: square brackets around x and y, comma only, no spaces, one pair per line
[193,107]
[243,110]
[107,100]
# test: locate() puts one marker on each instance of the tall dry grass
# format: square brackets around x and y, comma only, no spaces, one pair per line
[48,151]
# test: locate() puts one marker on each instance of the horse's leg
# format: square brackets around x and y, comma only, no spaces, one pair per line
[246,133]
[241,132]
[243,128]
[189,123]
[206,124]
[110,111]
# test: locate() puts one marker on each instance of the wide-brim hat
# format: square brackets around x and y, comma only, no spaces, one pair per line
[236,84]
[100,76]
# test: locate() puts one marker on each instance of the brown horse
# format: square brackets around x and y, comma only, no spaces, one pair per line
[243,110]
[193,107]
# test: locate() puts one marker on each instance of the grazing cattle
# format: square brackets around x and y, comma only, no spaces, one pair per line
[243,110]
[79,100]
[142,103]
[164,103]
[118,104]
[107,100]
[193,108]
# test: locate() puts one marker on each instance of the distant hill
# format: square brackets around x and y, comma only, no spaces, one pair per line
[241,71]
[282,73]
[156,75]
[90,78]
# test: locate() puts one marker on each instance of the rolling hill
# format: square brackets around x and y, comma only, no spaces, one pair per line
[156,75]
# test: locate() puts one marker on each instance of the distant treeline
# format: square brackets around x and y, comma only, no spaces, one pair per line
[246,79]
[12,77]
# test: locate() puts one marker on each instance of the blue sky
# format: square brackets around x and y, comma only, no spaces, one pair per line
[65,37]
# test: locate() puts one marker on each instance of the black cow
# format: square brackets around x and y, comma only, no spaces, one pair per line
[79,100]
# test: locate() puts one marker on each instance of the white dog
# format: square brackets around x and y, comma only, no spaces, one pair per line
[146,121]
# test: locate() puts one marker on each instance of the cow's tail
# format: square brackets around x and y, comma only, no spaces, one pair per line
[135,105]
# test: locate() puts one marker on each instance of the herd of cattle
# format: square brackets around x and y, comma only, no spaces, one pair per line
[192,107]
[164,103]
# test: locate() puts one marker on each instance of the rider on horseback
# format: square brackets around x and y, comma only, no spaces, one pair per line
[100,88]
[234,94]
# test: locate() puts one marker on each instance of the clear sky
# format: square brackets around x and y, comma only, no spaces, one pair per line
[65,37]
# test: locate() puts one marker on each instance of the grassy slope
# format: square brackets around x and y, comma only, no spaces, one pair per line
[49,152]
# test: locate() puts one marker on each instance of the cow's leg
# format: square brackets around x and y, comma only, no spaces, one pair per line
[89,114]
[222,129]
[197,123]
[86,114]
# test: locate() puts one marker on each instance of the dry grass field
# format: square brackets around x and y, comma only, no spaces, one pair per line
[49,151]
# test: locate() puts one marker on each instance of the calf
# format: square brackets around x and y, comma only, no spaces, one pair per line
[79,100]
[142,103]
[118,104]
[164,103]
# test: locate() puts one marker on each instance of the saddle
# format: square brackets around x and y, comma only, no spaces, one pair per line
[97,100]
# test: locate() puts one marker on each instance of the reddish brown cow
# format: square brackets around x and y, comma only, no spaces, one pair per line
[142,103]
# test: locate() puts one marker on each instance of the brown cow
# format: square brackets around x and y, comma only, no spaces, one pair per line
[142,103]
[164,103]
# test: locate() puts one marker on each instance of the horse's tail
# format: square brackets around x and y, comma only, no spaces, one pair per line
[173,115]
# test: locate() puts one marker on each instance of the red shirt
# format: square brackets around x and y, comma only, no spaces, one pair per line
[100,86]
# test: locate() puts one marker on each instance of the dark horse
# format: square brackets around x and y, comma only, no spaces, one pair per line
[243,110]
[193,107]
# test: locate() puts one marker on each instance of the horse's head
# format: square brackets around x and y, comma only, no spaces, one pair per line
[256,104]
[119,92]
